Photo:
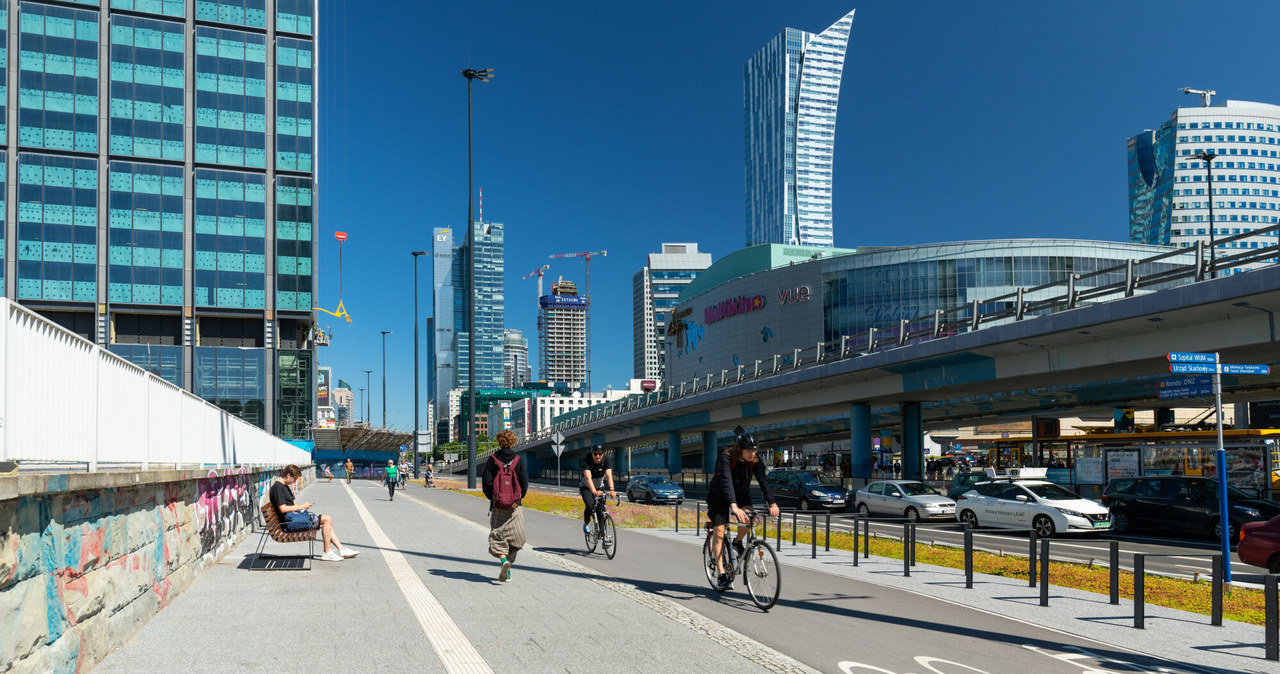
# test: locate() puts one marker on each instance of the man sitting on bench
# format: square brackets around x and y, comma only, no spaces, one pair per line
[294,517]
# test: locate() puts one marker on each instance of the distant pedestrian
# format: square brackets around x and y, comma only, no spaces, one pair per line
[897,468]
[505,482]
[328,473]
[349,468]
[393,476]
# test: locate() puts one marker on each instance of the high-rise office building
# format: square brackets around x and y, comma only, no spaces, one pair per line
[564,320]
[790,91]
[654,291]
[1168,185]
[157,176]
[515,367]
[449,341]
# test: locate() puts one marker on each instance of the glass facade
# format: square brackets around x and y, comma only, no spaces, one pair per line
[164,7]
[490,314]
[231,97]
[233,379]
[144,234]
[293,392]
[295,16]
[58,78]
[4,76]
[252,13]
[294,236]
[295,104]
[4,211]
[147,87]
[230,224]
[164,362]
[57,228]
[442,364]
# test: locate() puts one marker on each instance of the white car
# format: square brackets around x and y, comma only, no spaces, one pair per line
[1021,504]
[911,499]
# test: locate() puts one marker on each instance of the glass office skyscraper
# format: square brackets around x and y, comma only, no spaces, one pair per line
[790,91]
[654,291]
[159,189]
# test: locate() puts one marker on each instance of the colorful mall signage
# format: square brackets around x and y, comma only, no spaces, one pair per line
[732,307]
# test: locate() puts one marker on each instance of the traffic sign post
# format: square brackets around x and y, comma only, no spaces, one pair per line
[557,447]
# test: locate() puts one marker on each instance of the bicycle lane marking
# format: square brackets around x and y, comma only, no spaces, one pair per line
[731,639]
[451,645]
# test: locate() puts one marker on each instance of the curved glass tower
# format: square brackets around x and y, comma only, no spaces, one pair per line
[790,91]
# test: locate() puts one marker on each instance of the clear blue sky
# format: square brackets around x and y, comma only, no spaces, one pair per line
[618,126]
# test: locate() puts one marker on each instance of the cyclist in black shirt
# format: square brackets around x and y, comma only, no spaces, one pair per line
[596,469]
[729,495]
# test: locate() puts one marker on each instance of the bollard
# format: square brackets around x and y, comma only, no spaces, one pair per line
[795,518]
[677,518]
[828,541]
[813,536]
[855,541]
[1115,572]
[1044,572]
[1031,561]
[1270,607]
[1216,612]
[778,544]
[1139,590]
[765,531]
[697,517]
[906,549]
[915,531]
[968,558]
[866,539]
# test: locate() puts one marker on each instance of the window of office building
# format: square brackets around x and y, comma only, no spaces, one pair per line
[4,76]
[58,78]
[4,168]
[230,229]
[164,362]
[231,97]
[233,379]
[147,80]
[165,7]
[293,393]
[252,13]
[294,104]
[144,234]
[295,16]
[57,228]
[294,222]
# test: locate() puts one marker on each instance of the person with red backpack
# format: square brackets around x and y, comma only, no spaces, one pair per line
[729,495]
[505,482]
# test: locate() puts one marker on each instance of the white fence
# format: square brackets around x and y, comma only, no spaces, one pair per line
[65,400]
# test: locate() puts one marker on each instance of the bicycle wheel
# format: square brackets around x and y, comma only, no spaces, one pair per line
[610,537]
[709,565]
[761,572]
[591,536]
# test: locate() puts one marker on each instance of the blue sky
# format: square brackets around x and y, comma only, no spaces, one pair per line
[618,126]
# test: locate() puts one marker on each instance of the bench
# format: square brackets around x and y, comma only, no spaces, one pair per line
[273,528]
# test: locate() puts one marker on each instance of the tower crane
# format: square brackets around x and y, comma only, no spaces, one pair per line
[542,341]
[1206,95]
[587,258]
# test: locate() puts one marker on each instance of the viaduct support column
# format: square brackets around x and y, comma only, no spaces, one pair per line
[912,442]
[673,452]
[860,457]
[709,452]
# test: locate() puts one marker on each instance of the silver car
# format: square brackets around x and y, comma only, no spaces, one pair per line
[911,499]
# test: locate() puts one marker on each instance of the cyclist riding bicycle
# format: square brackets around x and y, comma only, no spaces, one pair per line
[596,469]
[729,495]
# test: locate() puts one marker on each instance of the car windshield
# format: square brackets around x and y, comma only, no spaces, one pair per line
[1052,492]
[818,478]
[662,481]
[1210,487]
[916,489]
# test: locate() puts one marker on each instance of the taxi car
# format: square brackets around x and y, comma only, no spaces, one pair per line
[1022,498]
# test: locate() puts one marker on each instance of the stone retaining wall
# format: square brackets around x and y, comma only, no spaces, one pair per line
[86,559]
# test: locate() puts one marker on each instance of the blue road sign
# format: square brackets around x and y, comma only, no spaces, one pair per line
[1246,369]
[1181,382]
[1183,357]
[1184,391]
[1191,368]
[403,448]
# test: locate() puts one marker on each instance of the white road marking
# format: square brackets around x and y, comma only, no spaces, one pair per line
[451,645]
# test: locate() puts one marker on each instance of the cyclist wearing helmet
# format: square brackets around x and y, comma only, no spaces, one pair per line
[729,494]
[596,468]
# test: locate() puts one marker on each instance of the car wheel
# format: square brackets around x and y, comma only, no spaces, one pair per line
[1233,531]
[1273,564]
[968,519]
[864,510]
[1043,524]
[911,515]
[804,504]
[631,498]
[648,498]
[1120,521]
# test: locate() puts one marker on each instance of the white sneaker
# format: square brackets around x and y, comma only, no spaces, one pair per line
[348,553]
[331,556]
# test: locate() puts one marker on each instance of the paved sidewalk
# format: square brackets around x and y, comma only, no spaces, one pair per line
[1171,634]
[354,616]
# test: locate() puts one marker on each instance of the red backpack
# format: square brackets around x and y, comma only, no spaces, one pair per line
[506,487]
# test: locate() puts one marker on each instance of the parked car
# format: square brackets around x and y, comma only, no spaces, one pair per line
[904,498]
[807,490]
[1181,503]
[654,489]
[1260,544]
[963,482]
[1047,507]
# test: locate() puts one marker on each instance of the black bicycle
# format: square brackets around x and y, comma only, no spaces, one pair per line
[758,564]
[610,533]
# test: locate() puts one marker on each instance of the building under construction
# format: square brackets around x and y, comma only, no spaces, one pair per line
[564,334]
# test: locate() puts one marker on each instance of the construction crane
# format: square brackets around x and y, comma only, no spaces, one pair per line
[1206,95]
[586,257]
[542,340]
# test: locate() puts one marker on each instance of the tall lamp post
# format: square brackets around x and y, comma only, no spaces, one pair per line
[416,254]
[1208,157]
[384,377]
[484,76]
[359,409]
[368,383]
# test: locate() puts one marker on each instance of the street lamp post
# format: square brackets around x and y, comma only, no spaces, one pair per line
[384,377]
[358,410]
[484,76]
[1208,157]
[416,254]
[368,383]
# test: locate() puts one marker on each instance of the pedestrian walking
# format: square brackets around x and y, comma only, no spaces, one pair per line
[391,478]
[348,467]
[505,482]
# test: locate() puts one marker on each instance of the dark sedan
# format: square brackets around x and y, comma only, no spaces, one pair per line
[654,489]
[807,490]
[1180,503]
